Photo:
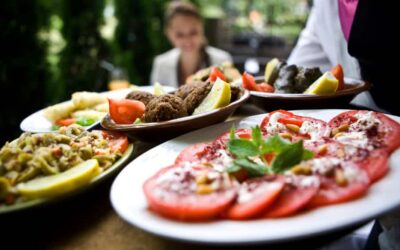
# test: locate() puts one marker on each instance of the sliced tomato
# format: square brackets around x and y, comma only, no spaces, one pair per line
[117,141]
[330,192]
[265,87]
[255,195]
[216,73]
[291,120]
[126,111]
[384,135]
[337,72]
[321,128]
[169,193]
[294,197]
[376,164]
[192,153]
[65,122]
[248,82]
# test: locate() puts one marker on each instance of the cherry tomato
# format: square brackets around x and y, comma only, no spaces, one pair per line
[265,87]
[216,73]
[117,141]
[337,72]
[126,111]
[248,82]
[65,122]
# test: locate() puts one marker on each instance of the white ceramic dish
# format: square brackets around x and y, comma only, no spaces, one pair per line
[111,171]
[129,201]
[37,123]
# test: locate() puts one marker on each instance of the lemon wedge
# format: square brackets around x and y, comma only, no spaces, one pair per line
[61,183]
[271,71]
[219,96]
[326,84]
[158,89]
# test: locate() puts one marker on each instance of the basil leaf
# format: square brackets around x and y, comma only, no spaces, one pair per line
[288,157]
[254,169]
[233,168]
[307,154]
[242,148]
[273,144]
[256,136]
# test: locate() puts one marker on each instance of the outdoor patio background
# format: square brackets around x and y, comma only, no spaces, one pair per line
[50,49]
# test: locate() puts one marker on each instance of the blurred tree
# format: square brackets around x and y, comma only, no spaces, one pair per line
[79,63]
[23,66]
[139,36]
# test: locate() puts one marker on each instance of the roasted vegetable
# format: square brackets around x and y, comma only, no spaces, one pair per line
[286,79]
[305,77]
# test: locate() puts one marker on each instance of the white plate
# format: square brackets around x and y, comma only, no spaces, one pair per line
[37,123]
[129,201]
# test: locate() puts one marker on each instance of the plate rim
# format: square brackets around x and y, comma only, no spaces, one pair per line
[22,206]
[114,188]
[107,123]
[24,124]
[359,86]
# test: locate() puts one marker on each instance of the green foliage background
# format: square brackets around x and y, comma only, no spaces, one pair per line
[34,73]
[31,78]
[23,66]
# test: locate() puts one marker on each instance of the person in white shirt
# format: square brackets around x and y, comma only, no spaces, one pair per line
[322,44]
[184,29]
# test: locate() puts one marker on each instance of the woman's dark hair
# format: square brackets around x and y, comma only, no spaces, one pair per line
[176,8]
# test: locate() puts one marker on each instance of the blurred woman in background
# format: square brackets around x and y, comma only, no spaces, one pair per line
[184,29]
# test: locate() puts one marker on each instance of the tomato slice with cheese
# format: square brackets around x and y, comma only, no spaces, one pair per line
[190,193]
[294,127]
[255,195]
[340,181]
[297,193]
[366,129]
[375,163]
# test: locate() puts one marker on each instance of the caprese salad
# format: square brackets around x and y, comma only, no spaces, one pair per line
[286,165]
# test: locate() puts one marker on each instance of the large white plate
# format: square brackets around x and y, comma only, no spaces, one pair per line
[37,123]
[129,201]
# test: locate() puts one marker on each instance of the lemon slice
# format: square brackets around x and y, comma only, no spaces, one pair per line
[271,71]
[158,89]
[60,183]
[326,84]
[219,96]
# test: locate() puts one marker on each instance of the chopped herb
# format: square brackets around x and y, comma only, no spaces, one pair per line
[245,151]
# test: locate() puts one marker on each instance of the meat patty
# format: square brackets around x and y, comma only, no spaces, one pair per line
[187,88]
[194,98]
[164,108]
[142,96]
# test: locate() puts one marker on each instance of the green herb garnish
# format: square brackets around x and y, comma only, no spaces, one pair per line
[248,151]
[83,121]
